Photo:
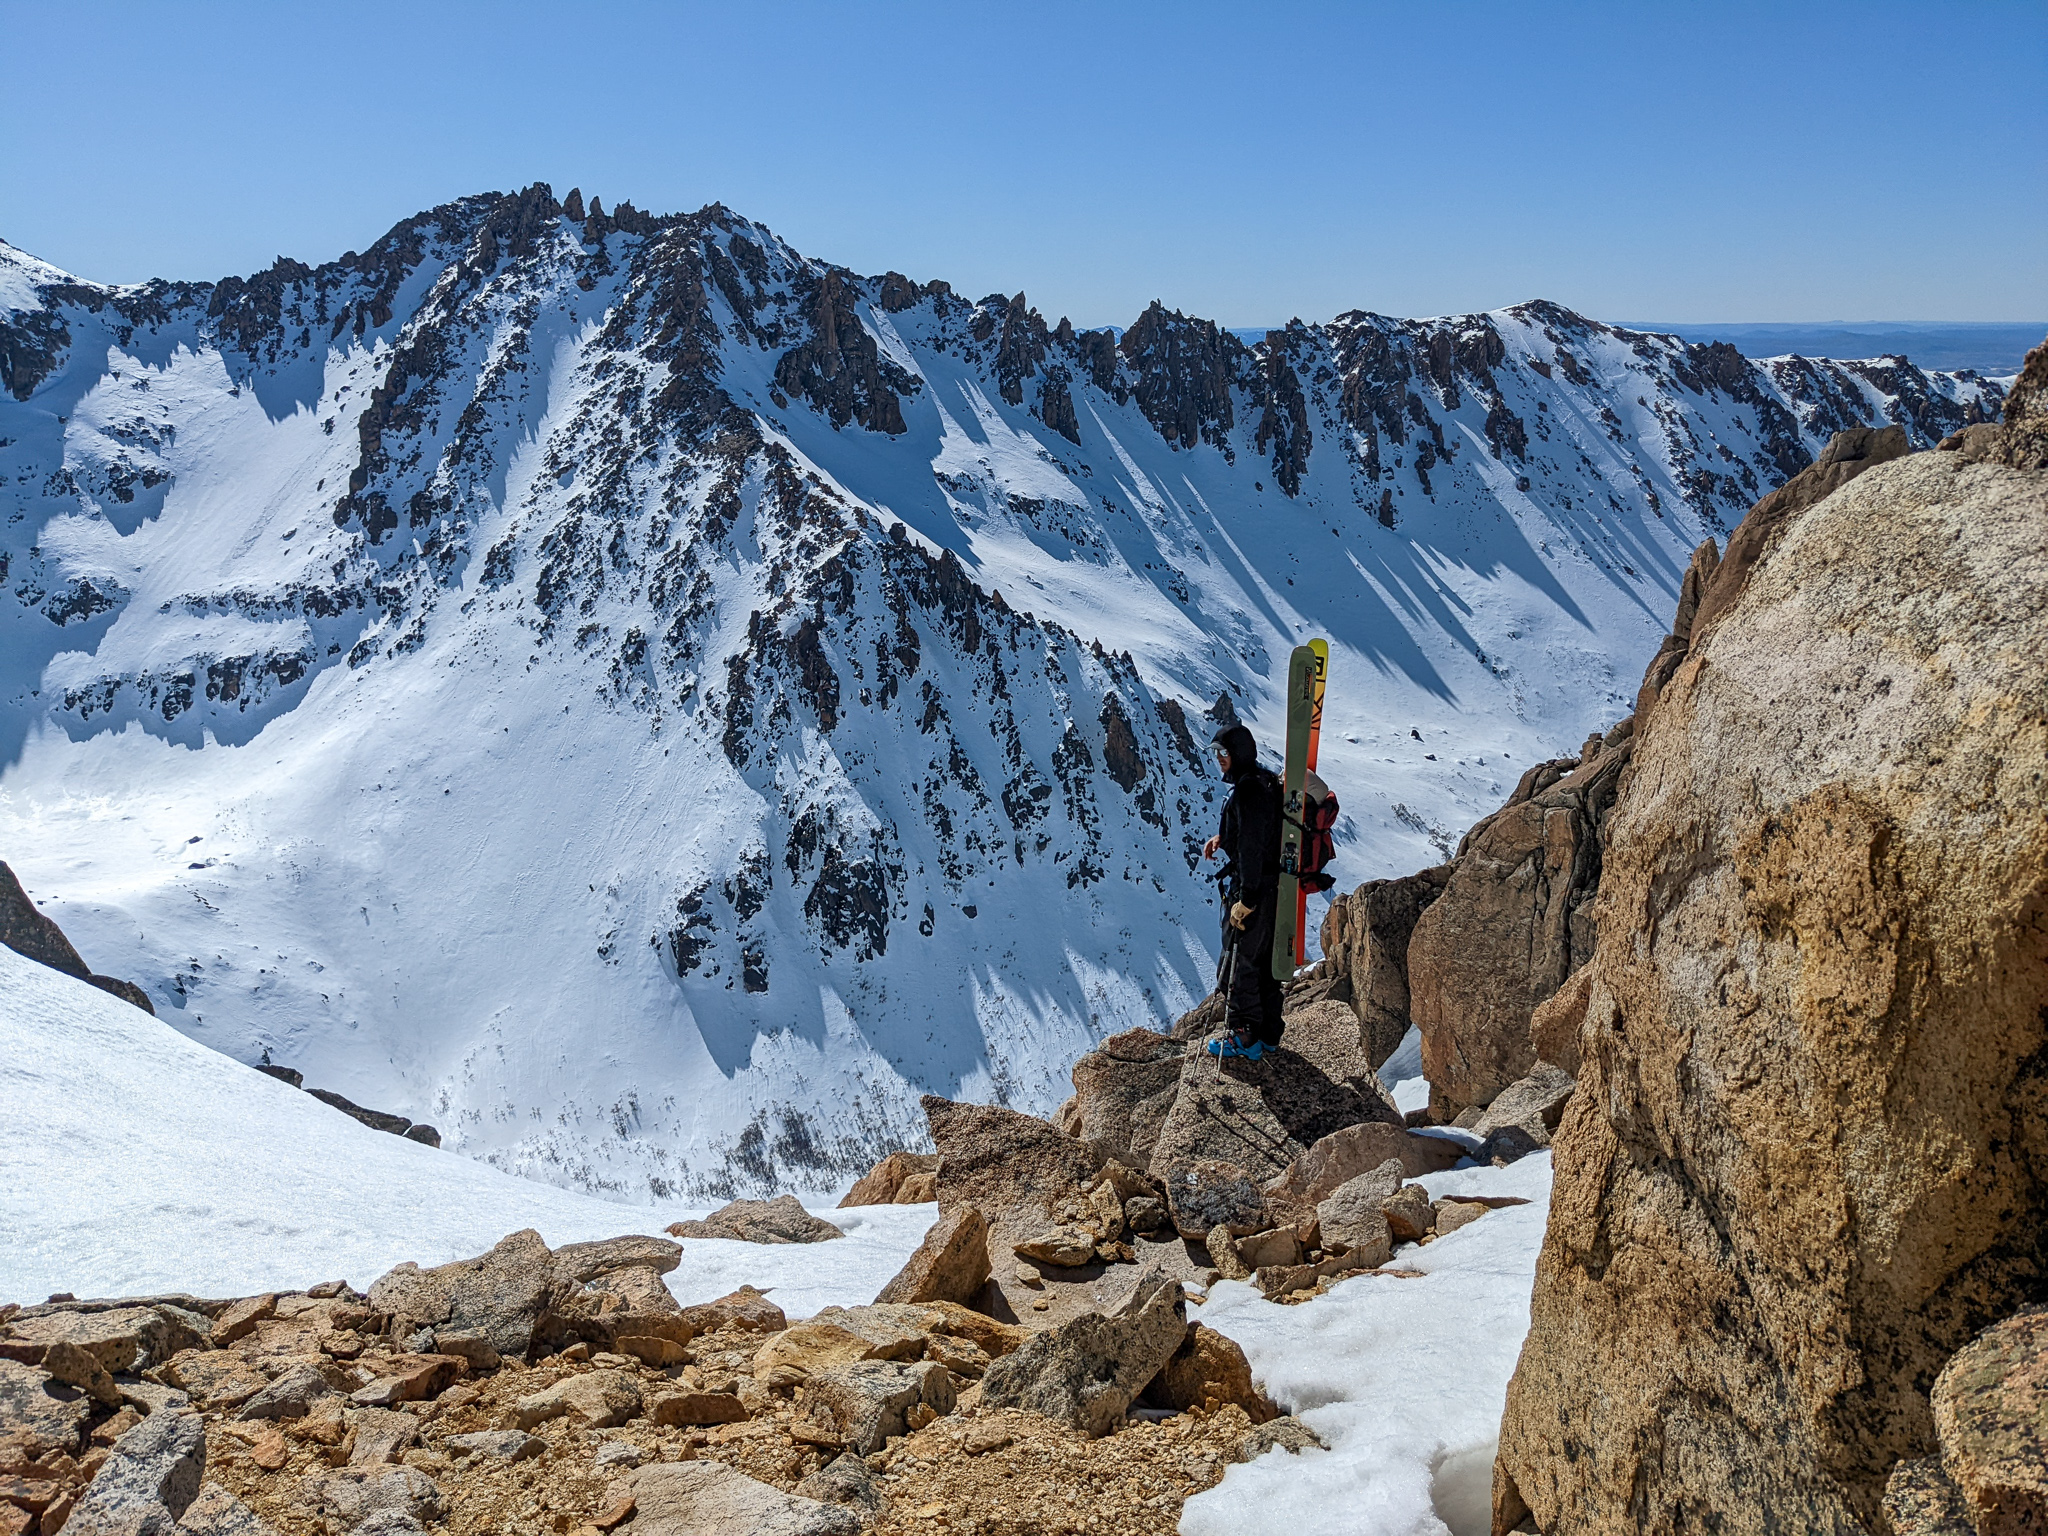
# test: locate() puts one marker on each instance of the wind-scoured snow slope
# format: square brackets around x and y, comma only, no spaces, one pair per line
[139,1163]
[650,703]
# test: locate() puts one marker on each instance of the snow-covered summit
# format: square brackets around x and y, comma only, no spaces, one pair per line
[651,702]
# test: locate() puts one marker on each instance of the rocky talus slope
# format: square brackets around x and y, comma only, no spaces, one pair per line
[1807,1160]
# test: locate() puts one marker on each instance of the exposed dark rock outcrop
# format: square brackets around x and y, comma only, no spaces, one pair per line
[838,368]
[1181,373]
[28,932]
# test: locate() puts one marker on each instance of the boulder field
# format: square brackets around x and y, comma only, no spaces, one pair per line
[530,1389]
[1038,1342]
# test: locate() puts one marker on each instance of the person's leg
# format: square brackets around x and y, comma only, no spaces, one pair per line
[1271,1024]
[1244,989]
[1262,1015]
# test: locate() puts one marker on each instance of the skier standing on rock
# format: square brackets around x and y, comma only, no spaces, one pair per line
[1250,840]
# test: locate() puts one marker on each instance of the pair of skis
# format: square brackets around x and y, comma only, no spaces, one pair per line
[1308,670]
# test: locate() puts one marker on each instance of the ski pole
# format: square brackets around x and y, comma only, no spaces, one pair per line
[1229,986]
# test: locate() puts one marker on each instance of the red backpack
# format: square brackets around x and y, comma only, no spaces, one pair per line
[1318,820]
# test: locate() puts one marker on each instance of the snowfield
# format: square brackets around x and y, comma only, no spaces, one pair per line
[139,1162]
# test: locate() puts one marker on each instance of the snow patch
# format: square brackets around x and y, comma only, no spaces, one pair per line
[1405,1379]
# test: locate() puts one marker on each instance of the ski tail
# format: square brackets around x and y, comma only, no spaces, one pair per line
[1304,695]
[1319,650]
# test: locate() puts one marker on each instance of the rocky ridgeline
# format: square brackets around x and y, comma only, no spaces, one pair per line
[666,472]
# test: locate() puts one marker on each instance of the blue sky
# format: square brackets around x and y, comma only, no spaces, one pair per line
[1249,163]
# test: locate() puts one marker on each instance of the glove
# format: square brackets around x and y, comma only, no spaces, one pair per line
[1240,914]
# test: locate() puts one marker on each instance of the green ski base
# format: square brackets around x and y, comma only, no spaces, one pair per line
[1301,713]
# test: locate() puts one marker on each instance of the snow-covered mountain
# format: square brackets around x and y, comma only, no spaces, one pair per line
[650,702]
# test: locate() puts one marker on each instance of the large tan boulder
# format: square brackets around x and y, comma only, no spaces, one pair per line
[1991,1412]
[1123,1090]
[1090,1370]
[789,1357]
[509,1295]
[599,1399]
[118,1338]
[781,1220]
[38,1419]
[1365,938]
[1259,1117]
[951,1264]
[1356,1149]
[1025,1178]
[1209,1372]
[1809,1151]
[884,1183]
[869,1401]
[1017,1170]
[709,1498]
[1515,920]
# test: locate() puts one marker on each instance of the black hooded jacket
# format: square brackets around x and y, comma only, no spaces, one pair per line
[1250,833]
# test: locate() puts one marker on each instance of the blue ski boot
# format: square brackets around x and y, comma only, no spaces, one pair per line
[1237,1045]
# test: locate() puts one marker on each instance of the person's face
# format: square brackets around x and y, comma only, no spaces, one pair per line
[1222,759]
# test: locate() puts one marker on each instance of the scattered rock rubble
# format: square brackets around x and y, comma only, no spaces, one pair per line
[530,1390]
[1031,1368]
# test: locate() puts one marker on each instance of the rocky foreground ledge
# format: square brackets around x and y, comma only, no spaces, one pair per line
[1032,1367]
[536,1391]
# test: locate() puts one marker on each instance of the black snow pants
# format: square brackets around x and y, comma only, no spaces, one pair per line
[1253,989]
